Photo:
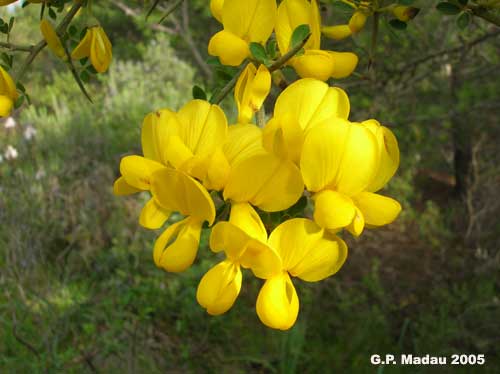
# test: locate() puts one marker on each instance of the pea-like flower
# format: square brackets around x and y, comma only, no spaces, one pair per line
[307,252]
[52,39]
[8,93]
[95,45]
[251,90]
[244,22]
[315,62]
[343,163]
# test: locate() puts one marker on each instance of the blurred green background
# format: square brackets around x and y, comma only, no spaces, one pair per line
[79,291]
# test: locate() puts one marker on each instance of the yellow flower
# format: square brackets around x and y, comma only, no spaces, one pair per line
[251,90]
[8,93]
[243,240]
[136,171]
[315,62]
[405,13]
[244,21]
[341,162]
[216,9]
[302,106]
[52,39]
[175,191]
[96,45]
[195,143]
[308,253]
[338,32]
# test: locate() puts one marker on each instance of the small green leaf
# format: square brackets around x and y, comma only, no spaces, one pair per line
[463,20]
[299,34]
[259,53]
[199,93]
[272,48]
[4,28]
[84,60]
[85,76]
[72,30]
[25,4]
[52,14]
[341,7]
[11,23]
[20,87]
[397,24]
[448,9]
[19,102]
[6,59]
[214,61]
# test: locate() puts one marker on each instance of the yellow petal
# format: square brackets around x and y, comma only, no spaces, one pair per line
[357,21]
[337,32]
[216,9]
[344,64]
[250,19]
[219,288]
[122,188]
[7,86]
[340,155]
[229,238]
[52,39]
[311,102]
[156,130]
[175,249]
[358,223]
[243,141]
[230,49]
[203,126]
[377,210]
[153,216]
[333,210]
[265,181]
[217,171]
[100,50]
[83,48]
[389,154]
[263,260]
[251,90]
[137,171]
[244,216]
[291,14]
[292,240]
[277,303]
[177,153]
[314,63]
[177,192]
[6,105]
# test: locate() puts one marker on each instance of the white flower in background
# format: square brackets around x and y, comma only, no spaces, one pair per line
[11,153]
[29,132]
[10,123]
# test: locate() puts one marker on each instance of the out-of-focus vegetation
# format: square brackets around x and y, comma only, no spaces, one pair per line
[80,292]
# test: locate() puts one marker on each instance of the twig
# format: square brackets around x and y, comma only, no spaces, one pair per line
[60,29]
[170,10]
[482,12]
[274,66]
[15,47]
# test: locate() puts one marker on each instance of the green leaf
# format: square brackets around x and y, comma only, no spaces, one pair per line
[341,7]
[6,59]
[72,30]
[272,48]
[52,14]
[11,23]
[259,53]
[397,24]
[299,34]
[19,102]
[85,76]
[199,93]
[463,2]
[448,9]
[463,20]
[20,87]
[4,28]
[214,61]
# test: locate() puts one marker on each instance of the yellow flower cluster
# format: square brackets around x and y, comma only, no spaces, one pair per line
[192,161]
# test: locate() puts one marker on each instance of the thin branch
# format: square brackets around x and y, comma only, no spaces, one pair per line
[60,29]
[274,66]
[485,14]
[170,10]
[15,47]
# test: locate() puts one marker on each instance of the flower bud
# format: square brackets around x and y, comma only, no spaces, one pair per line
[405,13]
